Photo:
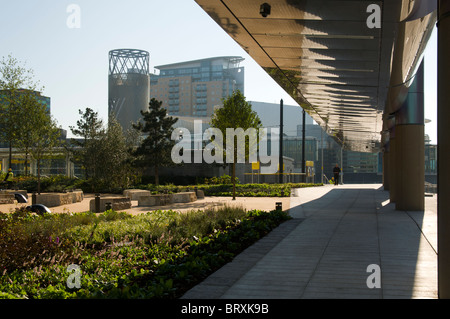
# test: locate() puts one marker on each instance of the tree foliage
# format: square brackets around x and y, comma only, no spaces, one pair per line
[235,113]
[154,150]
[32,111]
[102,152]
[85,150]
[45,136]
[115,168]
[14,78]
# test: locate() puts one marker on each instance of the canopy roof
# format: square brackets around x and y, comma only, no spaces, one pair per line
[345,74]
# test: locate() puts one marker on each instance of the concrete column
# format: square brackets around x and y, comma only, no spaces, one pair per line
[410,179]
[409,148]
[443,114]
[387,135]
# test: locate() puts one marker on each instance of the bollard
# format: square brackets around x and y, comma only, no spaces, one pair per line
[97,203]
[278,206]
[33,198]
[108,206]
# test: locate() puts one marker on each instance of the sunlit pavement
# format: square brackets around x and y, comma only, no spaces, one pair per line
[344,241]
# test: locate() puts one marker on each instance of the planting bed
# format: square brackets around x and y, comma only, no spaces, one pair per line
[160,254]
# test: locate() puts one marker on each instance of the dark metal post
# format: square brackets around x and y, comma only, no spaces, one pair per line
[97,203]
[280,162]
[303,147]
[443,113]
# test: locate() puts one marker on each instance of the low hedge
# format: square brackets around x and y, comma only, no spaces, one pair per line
[242,190]
[61,183]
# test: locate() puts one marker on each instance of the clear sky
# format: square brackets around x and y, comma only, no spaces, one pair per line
[72,63]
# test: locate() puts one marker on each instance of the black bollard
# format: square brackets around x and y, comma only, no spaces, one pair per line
[278,206]
[97,203]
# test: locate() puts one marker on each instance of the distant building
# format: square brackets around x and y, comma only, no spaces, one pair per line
[430,162]
[269,113]
[356,167]
[45,100]
[320,148]
[196,88]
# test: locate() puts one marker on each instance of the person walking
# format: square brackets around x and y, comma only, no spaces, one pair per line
[9,178]
[336,172]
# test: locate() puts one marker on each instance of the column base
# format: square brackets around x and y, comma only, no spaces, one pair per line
[410,181]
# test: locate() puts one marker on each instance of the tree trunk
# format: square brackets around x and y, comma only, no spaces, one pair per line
[10,153]
[234,181]
[26,163]
[233,178]
[156,175]
[39,176]
[9,128]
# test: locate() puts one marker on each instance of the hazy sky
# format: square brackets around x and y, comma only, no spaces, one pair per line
[72,63]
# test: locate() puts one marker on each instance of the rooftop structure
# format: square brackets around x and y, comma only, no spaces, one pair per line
[129,85]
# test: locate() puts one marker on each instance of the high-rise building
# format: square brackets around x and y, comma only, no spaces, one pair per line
[129,85]
[196,88]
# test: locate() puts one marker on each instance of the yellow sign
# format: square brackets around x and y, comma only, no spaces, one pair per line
[310,163]
[255,165]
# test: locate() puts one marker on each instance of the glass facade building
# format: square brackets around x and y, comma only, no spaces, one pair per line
[292,147]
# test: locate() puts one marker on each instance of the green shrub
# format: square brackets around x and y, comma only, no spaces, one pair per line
[54,183]
[247,190]
[125,265]
[224,179]
[254,190]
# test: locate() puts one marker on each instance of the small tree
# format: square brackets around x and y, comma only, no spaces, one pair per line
[103,152]
[235,113]
[30,113]
[45,137]
[154,150]
[90,129]
[114,169]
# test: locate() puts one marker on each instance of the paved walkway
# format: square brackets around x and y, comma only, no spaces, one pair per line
[324,252]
